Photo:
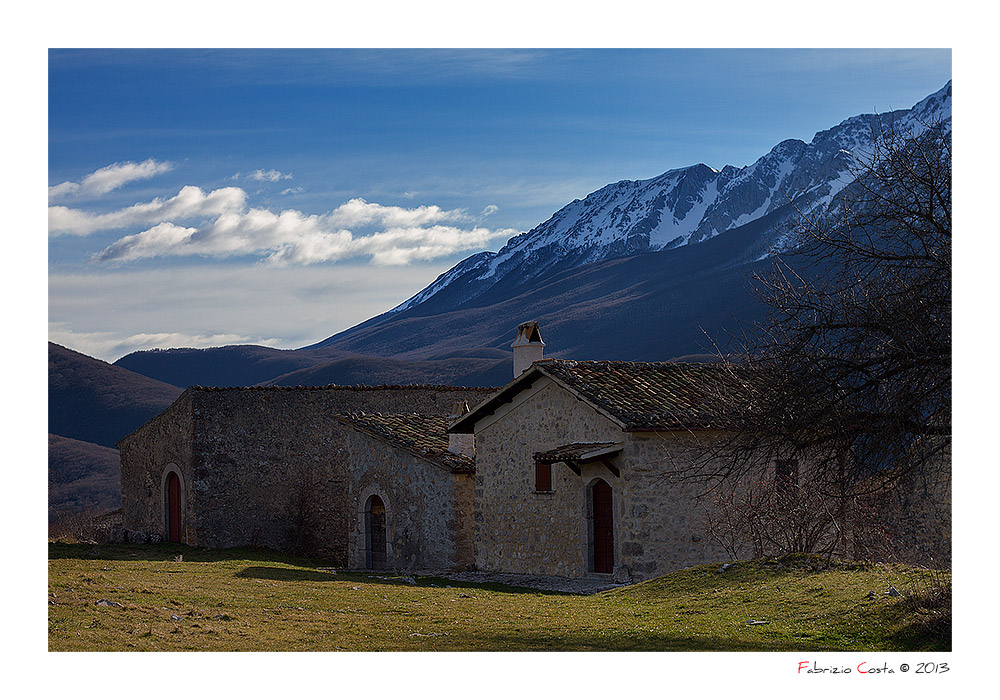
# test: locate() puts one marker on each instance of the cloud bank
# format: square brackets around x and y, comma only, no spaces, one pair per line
[293,238]
[387,235]
[221,224]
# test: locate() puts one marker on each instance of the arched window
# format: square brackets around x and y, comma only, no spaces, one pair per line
[375,533]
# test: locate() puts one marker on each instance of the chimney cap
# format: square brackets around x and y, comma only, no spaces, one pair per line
[527,333]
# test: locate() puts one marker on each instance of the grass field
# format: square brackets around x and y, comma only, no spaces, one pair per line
[175,598]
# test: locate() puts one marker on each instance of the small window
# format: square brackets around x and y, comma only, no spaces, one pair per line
[786,473]
[543,476]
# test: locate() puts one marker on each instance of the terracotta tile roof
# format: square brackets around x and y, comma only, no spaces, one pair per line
[418,433]
[577,451]
[637,395]
[646,395]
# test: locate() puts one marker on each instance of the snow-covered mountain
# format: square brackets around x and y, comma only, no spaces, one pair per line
[680,207]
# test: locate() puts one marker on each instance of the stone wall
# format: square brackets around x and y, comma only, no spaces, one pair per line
[420,499]
[163,442]
[464,518]
[659,526]
[266,466]
[663,524]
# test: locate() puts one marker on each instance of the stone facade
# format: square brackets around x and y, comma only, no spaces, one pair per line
[164,444]
[658,526]
[427,507]
[259,466]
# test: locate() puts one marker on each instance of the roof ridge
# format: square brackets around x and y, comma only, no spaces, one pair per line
[346,387]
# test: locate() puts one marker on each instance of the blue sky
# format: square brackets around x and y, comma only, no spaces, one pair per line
[204,197]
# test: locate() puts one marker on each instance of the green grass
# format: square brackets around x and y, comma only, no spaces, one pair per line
[175,598]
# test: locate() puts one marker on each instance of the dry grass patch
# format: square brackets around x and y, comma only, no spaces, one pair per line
[171,598]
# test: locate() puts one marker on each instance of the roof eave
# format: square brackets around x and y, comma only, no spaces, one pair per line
[416,452]
[467,423]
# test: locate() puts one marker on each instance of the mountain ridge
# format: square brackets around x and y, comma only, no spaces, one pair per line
[681,206]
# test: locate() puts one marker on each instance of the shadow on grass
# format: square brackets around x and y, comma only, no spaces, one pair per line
[921,628]
[387,578]
[309,569]
[277,573]
[541,641]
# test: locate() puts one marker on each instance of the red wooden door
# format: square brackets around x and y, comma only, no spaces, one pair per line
[604,550]
[173,508]
[376,534]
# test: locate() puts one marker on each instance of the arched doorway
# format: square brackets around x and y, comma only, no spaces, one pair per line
[375,533]
[602,528]
[173,509]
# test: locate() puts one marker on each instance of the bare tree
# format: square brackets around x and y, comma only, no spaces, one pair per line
[851,373]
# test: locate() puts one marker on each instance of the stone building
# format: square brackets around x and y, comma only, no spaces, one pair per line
[259,466]
[570,464]
[561,472]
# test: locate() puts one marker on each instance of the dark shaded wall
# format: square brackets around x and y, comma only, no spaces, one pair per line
[263,466]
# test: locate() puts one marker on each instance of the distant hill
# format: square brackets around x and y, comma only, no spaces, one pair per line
[231,365]
[96,402]
[82,476]
[458,371]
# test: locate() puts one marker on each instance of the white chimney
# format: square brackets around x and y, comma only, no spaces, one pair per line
[527,347]
[461,443]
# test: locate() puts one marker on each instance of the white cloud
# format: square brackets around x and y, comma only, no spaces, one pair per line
[111,177]
[291,190]
[490,209]
[63,189]
[147,243]
[358,212]
[268,175]
[191,202]
[388,235]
